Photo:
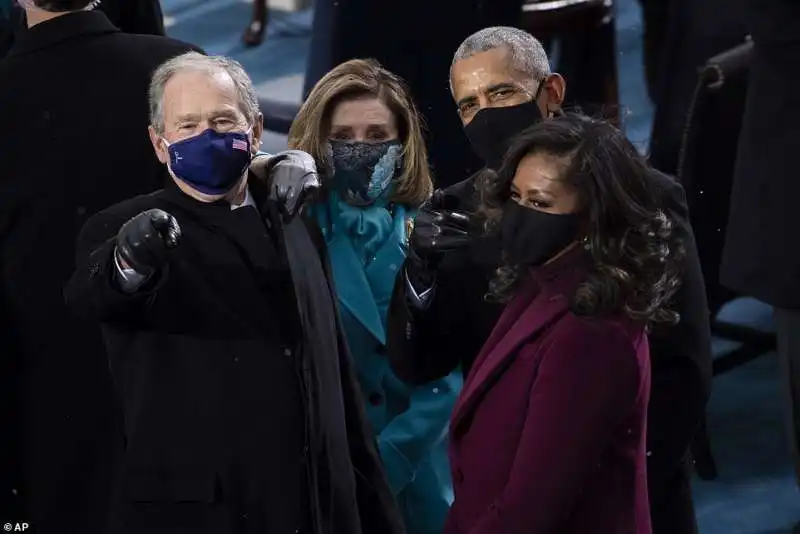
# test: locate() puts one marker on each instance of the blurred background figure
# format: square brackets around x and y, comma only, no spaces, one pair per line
[130,16]
[77,85]
[361,125]
[134,16]
[761,255]
[254,33]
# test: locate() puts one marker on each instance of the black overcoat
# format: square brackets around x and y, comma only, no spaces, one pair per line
[761,257]
[73,103]
[130,16]
[135,16]
[236,420]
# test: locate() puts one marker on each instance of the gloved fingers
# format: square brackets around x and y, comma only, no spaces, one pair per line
[167,227]
[437,230]
[434,202]
[293,191]
[282,195]
[288,204]
[455,219]
[260,166]
[440,200]
[310,184]
[447,243]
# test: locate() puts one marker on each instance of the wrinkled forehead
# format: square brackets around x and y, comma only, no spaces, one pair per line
[199,91]
[479,72]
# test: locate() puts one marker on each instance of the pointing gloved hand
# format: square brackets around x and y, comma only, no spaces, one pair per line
[437,231]
[292,175]
[142,242]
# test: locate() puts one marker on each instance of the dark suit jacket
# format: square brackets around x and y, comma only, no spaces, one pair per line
[424,346]
[130,16]
[548,435]
[204,360]
[73,102]
[695,31]
[760,256]
[223,391]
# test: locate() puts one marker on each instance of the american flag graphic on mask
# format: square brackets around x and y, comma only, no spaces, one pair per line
[238,144]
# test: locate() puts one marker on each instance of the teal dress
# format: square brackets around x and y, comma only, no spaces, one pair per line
[367,248]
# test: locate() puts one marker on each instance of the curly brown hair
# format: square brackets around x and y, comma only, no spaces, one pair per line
[636,255]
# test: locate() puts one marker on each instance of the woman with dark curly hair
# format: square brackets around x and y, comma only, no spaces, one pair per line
[548,435]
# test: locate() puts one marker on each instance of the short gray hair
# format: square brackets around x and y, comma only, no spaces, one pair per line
[528,56]
[248,98]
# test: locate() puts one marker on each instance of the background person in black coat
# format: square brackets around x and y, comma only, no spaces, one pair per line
[130,16]
[73,99]
[502,83]
[134,16]
[761,256]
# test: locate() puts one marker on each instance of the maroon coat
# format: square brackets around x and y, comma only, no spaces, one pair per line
[548,435]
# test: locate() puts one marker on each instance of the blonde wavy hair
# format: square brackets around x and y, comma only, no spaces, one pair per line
[355,79]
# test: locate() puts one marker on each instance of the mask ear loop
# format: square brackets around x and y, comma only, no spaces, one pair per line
[551,113]
[167,144]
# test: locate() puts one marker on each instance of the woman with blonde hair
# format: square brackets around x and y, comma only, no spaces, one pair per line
[361,126]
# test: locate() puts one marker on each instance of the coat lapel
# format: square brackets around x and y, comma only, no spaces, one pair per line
[352,286]
[513,330]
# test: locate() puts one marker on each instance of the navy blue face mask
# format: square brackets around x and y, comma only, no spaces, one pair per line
[363,172]
[211,162]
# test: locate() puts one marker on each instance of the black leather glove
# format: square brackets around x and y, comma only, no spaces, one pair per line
[435,234]
[142,242]
[292,175]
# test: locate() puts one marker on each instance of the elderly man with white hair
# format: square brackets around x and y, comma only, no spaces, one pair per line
[241,411]
[502,83]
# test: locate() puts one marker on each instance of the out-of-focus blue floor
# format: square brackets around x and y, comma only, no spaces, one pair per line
[755,492]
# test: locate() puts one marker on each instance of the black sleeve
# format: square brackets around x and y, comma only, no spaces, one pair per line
[421,344]
[91,292]
[428,344]
[681,359]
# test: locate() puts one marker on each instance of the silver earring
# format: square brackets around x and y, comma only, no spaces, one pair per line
[586,244]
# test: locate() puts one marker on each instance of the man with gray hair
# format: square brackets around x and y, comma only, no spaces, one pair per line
[502,83]
[241,412]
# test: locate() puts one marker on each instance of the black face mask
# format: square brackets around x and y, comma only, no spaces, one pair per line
[491,130]
[531,237]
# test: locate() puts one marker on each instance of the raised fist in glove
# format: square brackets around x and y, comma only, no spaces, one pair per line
[292,175]
[437,232]
[142,242]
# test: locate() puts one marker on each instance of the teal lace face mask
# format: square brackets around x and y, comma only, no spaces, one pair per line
[363,172]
